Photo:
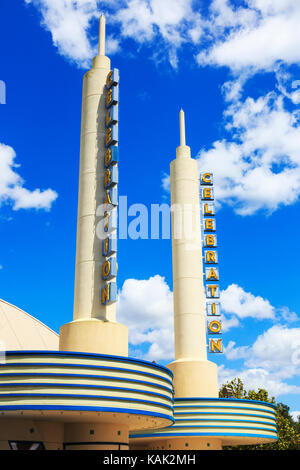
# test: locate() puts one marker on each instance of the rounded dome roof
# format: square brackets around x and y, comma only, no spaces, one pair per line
[21,331]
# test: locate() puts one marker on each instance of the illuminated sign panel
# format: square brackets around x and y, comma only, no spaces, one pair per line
[213,309]
[109,246]
[211,274]
[111,156]
[210,255]
[110,184]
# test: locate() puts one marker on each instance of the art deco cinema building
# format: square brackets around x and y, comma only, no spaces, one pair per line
[81,390]
[88,394]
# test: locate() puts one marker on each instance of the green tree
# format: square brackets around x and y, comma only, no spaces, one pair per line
[288,429]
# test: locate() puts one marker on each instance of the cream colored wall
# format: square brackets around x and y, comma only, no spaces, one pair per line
[94,336]
[180,443]
[55,434]
[94,432]
[50,433]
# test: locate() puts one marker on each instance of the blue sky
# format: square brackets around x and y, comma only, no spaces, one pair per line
[234,68]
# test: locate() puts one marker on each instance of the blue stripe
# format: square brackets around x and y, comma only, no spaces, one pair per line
[224,427]
[227,400]
[223,420]
[102,377]
[223,414]
[229,427]
[85,408]
[94,397]
[51,384]
[200,407]
[91,355]
[131,436]
[83,366]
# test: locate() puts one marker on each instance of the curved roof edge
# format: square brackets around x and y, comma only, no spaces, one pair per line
[20,331]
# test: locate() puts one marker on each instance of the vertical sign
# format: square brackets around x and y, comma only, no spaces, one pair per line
[110,183]
[211,270]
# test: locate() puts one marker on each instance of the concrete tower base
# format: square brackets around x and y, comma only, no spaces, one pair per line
[94,336]
[194,378]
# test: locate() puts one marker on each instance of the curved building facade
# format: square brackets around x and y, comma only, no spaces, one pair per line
[91,400]
[210,423]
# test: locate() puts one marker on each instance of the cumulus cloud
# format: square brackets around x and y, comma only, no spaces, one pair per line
[255,378]
[69,22]
[165,182]
[256,36]
[259,168]
[12,188]
[270,361]
[146,307]
[238,304]
[277,348]
[172,22]
[295,415]
[244,304]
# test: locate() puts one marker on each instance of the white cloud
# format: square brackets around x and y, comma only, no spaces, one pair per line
[146,307]
[171,21]
[12,188]
[244,304]
[165,182]
[256,378]
[295,415]
[256,37]
[233,352]
[277,348]
[240,304]
[269,363]
[69,23]
[260,167]
[229,322]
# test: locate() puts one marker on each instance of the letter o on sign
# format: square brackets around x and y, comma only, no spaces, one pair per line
[215,326]
[106,269]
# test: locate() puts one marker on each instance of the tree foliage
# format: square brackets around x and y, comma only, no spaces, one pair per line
[288,429]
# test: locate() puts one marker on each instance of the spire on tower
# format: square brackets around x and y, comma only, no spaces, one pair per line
[182,127]
[102,35]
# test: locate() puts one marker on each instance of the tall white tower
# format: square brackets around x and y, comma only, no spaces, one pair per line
[194,375]
[94,327]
